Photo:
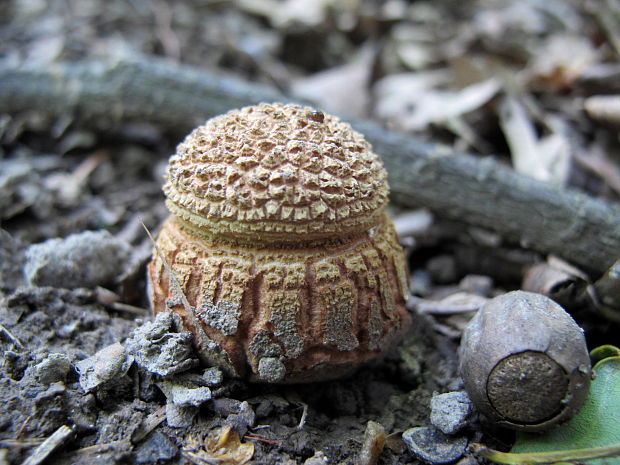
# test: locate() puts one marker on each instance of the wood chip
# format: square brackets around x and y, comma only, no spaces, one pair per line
[59,437]
[149,424]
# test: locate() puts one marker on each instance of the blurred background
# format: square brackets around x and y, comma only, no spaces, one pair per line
[505,77]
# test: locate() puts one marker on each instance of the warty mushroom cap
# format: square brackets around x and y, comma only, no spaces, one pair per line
[276,173]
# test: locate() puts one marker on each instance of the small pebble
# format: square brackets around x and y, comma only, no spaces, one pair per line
[431,445]
[87,259]
[160,349]
[212,376]
[225,406]
[156,448]
[184,395]
[52,369]
[180,417]
[243,419]
[450,411]
[106,366]
[183,401]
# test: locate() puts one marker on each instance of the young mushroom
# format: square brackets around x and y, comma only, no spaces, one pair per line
[280,244]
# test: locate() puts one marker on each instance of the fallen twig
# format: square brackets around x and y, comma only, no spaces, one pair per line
[102,448]
[59,437]
[21,443]
[149,424]
[478,192]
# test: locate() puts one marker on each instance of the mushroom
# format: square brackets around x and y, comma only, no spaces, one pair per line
[524,362]
[279,241]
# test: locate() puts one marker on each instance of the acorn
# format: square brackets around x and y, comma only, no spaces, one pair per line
[289,267]
[524,362]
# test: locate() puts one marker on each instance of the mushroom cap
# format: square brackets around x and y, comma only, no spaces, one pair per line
[276,173]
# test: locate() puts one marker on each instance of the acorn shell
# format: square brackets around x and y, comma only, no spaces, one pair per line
[524,362]
[276,173]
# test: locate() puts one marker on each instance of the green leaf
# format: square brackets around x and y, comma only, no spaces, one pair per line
[597,425]
[603,352]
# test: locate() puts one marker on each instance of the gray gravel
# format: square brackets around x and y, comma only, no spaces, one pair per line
[432,446]
[450,412]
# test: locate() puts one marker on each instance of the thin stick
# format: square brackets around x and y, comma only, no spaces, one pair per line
[149,424]
[101,448]
[16,342]
[59,437]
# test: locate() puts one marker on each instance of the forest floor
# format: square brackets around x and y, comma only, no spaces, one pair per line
[512,79]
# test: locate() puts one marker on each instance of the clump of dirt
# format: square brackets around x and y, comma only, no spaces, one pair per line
[48,331]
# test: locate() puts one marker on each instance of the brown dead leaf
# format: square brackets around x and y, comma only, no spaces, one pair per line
[221,446]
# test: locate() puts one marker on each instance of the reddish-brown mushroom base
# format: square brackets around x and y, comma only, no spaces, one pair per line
[285,315]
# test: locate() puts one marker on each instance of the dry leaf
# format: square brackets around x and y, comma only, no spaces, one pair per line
[413,101]
[546,159]
[459,302]
[221,446]
[374,442]
[561,60]
[556,279]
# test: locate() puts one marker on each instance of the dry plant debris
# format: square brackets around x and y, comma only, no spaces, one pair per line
[222,446]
